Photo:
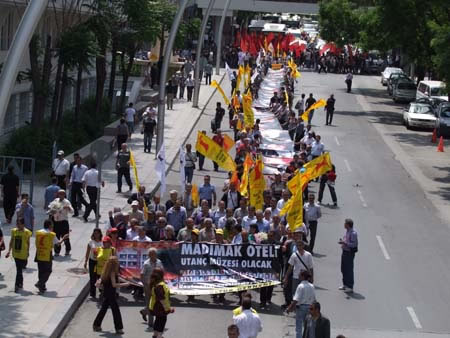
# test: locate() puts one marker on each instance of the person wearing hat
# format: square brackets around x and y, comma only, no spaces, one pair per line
[219,239]
[195,233]
[103,253]
[59,211]
[60,169]
[114,234]
[135,212]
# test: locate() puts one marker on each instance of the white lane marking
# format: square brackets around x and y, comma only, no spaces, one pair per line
[348,166]
[337,141]
[383,247]
[414,318]
[361,197]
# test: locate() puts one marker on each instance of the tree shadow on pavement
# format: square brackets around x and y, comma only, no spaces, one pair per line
[385,117]
[444,192]
[445,179]
[414,139]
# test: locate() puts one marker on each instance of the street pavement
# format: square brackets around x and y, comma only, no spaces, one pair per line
[28,314]
[385,184]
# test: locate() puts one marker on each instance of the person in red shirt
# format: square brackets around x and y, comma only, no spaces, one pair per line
[218,138]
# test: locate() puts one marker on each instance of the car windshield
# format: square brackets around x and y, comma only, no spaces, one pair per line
[421,109]
[406,85]
[438,91]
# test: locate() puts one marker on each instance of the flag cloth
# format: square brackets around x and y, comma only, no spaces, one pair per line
[235,100]
[257,185]
[295,214]
[182,163]
[228,142]
[195,195]
[214,84]
[248,72]
[286,96]
[229,72]
[311,170]
[249,116]
[271,49]
[248,163]
[133,165]
[160,168]
[235,180]
[210,149]
[318,104]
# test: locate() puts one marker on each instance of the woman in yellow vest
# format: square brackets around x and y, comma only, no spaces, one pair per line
[20,246]
[103,254]
[109,282]
[159,302]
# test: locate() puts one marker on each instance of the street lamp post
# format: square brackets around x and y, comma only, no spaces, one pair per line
[197,81]
[219,42]
[163,74]
[25,31]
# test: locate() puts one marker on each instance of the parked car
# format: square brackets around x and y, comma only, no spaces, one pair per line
[392,80]
[387,73]
[432,90]
[419,115]
[442,122]
[404,91]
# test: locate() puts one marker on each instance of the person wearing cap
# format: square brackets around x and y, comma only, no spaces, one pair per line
[135,212]
[46,241]
[219,239]
[60,169]
[300,260]
[304,296]
[195,235]
[59,210]
[114,234]
[103,253]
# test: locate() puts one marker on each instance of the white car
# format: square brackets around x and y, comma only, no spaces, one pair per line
[419,115]
[387,73]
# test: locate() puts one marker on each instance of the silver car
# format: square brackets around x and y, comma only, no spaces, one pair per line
[404,91]
[387,73]
[419,115]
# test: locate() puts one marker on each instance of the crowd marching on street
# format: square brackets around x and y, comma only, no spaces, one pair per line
[278,208]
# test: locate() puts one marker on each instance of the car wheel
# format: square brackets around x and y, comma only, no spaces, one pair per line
[407,125]
[395,100]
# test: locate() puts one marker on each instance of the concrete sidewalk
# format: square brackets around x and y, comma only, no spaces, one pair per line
[28,314]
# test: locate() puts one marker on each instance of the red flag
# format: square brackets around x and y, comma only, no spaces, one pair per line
[237,41]
[244,42]
[270,37]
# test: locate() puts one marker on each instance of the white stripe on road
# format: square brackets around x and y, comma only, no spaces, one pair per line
[361,197]
[414,318]
[348,166]
[337,141]
[383,248]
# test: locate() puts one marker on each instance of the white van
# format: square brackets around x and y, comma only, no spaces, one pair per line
[431,90]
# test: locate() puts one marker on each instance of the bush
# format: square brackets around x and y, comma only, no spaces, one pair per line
[28,141]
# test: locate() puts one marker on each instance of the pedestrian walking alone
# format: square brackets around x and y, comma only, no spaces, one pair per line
[159,305]
[122,133]
[60,169]
[19,244]
[92,186]
[348,81]
[130,117]
[189,87]
[349,245]
[148,129]
[317,326]
[10,192]
[76,184]
[189,166]
[109,283]
[123,167]
[330,110]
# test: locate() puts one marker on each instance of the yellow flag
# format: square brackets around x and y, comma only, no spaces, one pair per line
[257,185]
[210,149]
[286,96]
[243,188]
[249,116]
[240,75]
[311,170]
[248,72]
[133,165]
[293,66]
[195,195]
[318,104]
[228,142]
[295,213]
[220,90]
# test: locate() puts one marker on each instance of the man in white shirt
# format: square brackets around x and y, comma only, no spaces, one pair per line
[312,215]
[301,260]
[249,219]
[91,184]
[249,323]
[132,232]
[317,147]
[130,117]
[285,195]
[305,295]
[76,192]
[141,237]
[61,169]
[59,210]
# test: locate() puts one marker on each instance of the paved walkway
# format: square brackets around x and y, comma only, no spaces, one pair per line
[28,314]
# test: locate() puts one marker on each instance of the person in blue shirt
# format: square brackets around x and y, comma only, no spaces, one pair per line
[349,246]
[50,192]
[207,191]
[25,210]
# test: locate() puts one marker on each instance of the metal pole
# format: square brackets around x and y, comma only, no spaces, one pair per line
[219,42]
[30,20]
[163,74]
[97,212]
[197,81]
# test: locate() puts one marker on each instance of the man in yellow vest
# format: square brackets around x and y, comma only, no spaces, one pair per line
[103,254]
[20,246]
[45,240]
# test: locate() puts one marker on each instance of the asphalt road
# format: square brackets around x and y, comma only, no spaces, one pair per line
[402,272]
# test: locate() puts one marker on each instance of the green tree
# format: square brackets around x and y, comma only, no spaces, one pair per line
[441,58]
